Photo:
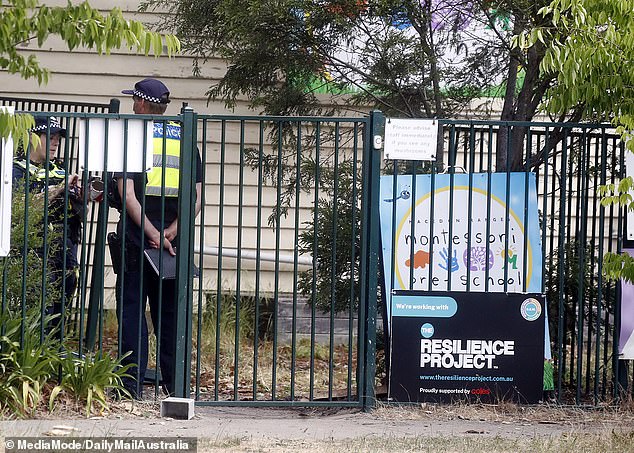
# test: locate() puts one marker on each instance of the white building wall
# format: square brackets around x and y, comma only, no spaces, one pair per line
[85,76]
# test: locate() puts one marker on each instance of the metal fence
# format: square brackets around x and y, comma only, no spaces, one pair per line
[570,162]
[277,278]
[280,246]
[277,193]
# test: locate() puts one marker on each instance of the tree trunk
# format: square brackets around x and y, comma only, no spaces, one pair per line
[510,141]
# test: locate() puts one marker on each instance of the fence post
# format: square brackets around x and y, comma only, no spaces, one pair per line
[96,296]
[185,252]
[370,246]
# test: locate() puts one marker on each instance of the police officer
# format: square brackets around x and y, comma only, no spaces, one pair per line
[36,169]
[135,285]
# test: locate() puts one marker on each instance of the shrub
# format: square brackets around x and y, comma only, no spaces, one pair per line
[27,362]
[88,380]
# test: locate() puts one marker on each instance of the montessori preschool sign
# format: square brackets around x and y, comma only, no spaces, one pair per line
[461,232]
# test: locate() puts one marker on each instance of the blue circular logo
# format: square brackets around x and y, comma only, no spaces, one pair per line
[427,330]
[531,309]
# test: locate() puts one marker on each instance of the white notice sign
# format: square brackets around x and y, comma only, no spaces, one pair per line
[6,187]
[110,140]
[410,139]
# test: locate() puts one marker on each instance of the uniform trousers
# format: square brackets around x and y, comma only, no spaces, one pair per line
[131,306]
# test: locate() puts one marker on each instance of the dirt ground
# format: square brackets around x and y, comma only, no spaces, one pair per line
[384,429]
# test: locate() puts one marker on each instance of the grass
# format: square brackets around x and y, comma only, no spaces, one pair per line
[277,371]
[606,442]
[321,374]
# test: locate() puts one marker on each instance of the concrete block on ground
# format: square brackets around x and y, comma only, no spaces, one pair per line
[181,408]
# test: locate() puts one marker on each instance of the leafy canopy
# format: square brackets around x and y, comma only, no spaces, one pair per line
[29,21]
[592,50]
[413,58]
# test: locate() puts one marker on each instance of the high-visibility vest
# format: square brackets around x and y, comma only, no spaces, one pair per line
[56,175]
[38,174]
[170,139]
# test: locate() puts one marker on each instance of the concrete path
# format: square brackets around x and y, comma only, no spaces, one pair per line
[307,424]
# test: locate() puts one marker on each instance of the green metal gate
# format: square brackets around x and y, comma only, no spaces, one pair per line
[282,311]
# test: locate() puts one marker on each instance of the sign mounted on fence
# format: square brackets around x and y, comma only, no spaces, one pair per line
[626,334]
[128,142]
[461,232]
[457,346]
[410,139]
[629,171]
[477,232]
[6,188]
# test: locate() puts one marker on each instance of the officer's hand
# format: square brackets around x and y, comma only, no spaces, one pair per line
[154,239]
[74,186]
[170,231]
[74,183]
[168,245]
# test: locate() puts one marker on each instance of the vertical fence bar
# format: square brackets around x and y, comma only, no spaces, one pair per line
[601,165]
[529,145]
[258,261]
[278,217]
[569,252]
[333,264]
[453,147]
[469,169]
[185,255]
[159,316]
[432,207]
[614,287]
[238,304]
[412,225]
[581,246]
[353,257]
[219,295]
[617,383]
[201,246]
[25,240]
[507,205]
[313,292]
[489,200]
[561,272]
[298,163]
[588,252]
[45,233]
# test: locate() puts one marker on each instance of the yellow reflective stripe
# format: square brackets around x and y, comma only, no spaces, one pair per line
[172,164]
[40,173]
[170,161]
[154,182]
[157,191]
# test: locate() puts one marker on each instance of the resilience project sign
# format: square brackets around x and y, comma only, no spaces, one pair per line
[458,346]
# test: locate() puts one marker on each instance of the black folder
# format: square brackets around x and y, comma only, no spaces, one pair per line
[153,256]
